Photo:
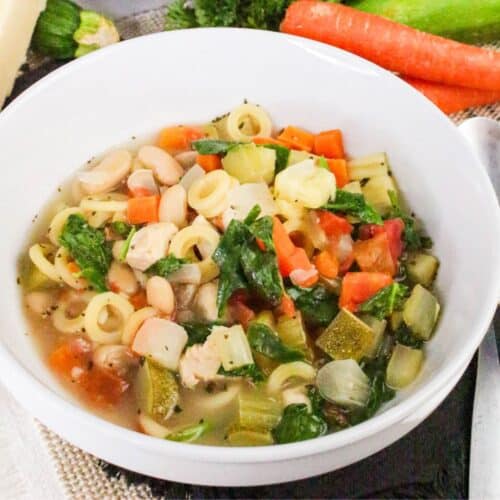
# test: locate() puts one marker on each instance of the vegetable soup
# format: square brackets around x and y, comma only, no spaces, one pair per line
[228,285]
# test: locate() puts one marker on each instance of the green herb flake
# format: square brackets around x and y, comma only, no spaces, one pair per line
[385,301]
[166,266]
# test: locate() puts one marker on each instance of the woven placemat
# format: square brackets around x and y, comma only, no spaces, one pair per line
[430,462]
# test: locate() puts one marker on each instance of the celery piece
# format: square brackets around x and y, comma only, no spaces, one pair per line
[291,331]
[250,163]
[257,411]
[346,337]
[95,31]
[267,318]
[404,366]
[376,193]
[232,346]
[368,166]
[420,312]
[246,437]
[298,156]
[422,268]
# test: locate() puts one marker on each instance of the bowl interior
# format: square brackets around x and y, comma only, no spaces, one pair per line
[138,86]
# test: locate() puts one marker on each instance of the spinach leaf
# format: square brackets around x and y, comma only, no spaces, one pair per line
[317,305]
[251,371]
[264,341]
[385,301]
[299,424]
[263,229]
[353,204]
[252,215]
[166,266]
[412,237]
[121,228]
[89,248]
[213,146]
[191,433]
[282,155]
[404,335]
[197,332]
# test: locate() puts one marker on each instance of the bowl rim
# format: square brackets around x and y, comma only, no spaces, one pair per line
[12,372]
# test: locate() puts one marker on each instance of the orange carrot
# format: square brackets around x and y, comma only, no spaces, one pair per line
[142,210]
[209,162]
[338,167]
[260,141]
[139,300]
[451,99]
[394,46]
[260,244]
[178,138]
[73,267]
[282,242]
[287,307]
[329,143]
[327,264]
[296,138]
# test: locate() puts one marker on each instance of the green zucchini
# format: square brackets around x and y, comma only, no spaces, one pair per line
[64,30]
[376,193]
[422,268]
[420,312]
[470,21]
[378,327]
[250,163]
[404,366]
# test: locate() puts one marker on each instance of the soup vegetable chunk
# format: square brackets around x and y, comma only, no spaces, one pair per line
[228,285]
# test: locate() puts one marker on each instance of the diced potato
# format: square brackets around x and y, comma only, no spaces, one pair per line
[353,187]
[367,167]
[378,327]
[420,312]
[376,193]
[404,366]
[347,337]
[422,268]
[157,391]
[250,163]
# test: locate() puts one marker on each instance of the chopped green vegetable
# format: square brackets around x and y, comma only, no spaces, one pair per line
[263,229]
[197,332]
[291,331]
[64,30]
[355,205]
[121,228]
[252,215]
[376,193]
[179,17]
[126,245]
[89,248]
[378,327]
[298,423]
[257,411]
[166,266]
[422,268]
[251,371]
[282,155]
[264,341]
[317,305]
[250,163]
[385,301]
[246,437]
[404,336]
[323,163]
[191,433]
[412,237]
[420,312]
[404,366]
[213,146]
[368,167]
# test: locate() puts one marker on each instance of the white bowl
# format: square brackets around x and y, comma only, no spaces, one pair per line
[138,86]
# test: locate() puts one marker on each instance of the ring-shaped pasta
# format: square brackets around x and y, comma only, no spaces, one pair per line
[186,239]
[101,301]
[287,371]
[63,258]
[134,322]
[57,223]
[65,324]
[98,219]
[37,255]
[208,195]
[246,122]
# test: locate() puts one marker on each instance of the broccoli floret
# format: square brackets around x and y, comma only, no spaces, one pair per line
[264,14]
[180,15]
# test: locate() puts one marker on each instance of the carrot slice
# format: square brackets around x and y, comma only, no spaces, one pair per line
[297,138]
[394,46]
[73,267]
[209,162]
[287,306]
[329,144]
[178,138]
[338,167]
[142,210]
[282,242]
[262,141]
[327,264]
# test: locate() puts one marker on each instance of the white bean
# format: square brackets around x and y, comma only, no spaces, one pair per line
[173,206]
[122,278]
[166,169]
[142,181]
[160,295]
[117,358]
[187,159]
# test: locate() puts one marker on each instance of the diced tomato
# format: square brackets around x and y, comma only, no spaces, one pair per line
[239,310]
[359,287]
[393,228]
[73,361]
[333,225]
[374,255]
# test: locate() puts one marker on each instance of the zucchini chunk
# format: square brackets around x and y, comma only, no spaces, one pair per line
[422,268]
[404,366]
[420,312]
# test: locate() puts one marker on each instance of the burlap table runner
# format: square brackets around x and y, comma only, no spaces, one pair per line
[430,462]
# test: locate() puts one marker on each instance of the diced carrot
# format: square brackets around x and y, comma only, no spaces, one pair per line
[282,242]
[287,306]
[143,209]
[329,144]
[374,255]
[260,244]
[327,264]
[338,167]
[178,138]
[297,138]
[73,267]
[261,141]
[218,222]
[139,300]
[333,225]
[140,192]
[358,287]
[209,162]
